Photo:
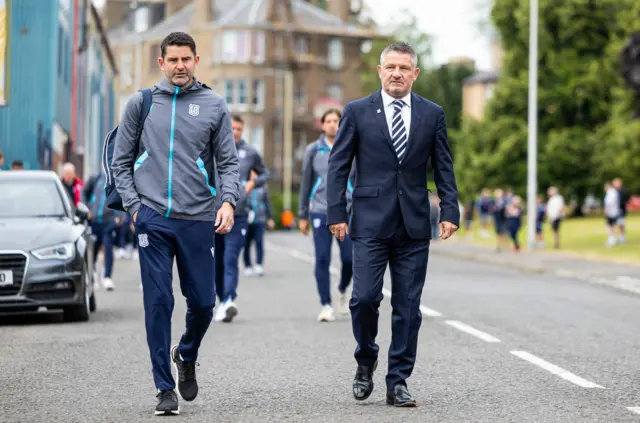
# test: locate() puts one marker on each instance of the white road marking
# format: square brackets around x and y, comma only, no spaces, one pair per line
[558,371]
[634,409]
[310,259]
[472,331]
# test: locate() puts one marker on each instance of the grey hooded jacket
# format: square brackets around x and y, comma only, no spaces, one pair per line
[94,196]
[186,140]
[249,160]
[312,197]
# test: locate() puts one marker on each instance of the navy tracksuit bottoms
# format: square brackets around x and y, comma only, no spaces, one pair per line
[228,249]
[161,239]
[322,240]
[104,238]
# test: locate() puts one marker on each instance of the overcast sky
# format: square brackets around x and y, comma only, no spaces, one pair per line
[452,23]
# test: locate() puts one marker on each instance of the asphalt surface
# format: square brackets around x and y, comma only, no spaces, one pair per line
[485,331]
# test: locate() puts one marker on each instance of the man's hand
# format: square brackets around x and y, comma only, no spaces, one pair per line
[249,186]
[135,215]
[303,225]
[447,229]
[271,224]
[339,230]
[224,219]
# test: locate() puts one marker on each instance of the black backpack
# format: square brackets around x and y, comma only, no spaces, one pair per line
[112,198]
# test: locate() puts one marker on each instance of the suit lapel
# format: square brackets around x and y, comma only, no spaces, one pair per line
[416,117]
[380,117]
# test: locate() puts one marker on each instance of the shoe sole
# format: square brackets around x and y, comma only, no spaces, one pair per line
[168,412]
[231,312]
[175,367]
[403,405]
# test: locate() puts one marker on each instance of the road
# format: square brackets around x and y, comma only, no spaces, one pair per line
[495,346]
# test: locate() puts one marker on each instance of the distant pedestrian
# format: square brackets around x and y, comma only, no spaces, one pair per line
[514,220]
[484,205]
[623,197]
[71,182]
[17,165]
[611,212]
[555,213]
[166,184]
[498,209]
[1,160]
[540,218]
[260,219]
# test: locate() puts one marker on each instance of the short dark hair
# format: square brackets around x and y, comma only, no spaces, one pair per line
[400,47]
[237,118]
[17,163]
[1,155]
[330,112]
[177,39]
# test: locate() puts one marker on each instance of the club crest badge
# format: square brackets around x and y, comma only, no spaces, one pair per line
[194,109]
[143,240]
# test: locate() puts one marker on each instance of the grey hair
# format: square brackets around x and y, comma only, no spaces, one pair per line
[400,47]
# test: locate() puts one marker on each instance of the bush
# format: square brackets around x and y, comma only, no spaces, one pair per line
[277,203]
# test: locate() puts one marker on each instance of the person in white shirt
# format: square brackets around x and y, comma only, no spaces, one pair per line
[555,213]
[611,212]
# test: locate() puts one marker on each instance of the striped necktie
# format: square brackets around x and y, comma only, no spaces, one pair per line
[398,131]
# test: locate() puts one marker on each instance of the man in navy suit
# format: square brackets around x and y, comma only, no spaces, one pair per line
[392,134]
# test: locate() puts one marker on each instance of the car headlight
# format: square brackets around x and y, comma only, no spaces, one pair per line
[56,252]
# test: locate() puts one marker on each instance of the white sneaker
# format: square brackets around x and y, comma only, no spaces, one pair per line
[248,271]
[135,255]
[121,253]
[96,281]
[221,312]
[230,311]
[108,284]
[326,314]
[343,304]
[259,270]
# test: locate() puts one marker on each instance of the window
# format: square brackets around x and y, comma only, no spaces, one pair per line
[258,47]
[300,99]
[228,91]
[236,46]
[243,95]
[257,139]
[126,64]
[141,19]
[302,45]
[258,94]
[335,54]
[335,91]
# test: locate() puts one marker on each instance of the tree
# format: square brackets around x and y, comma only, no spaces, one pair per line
[576,93]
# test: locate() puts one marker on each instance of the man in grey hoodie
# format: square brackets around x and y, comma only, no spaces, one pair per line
[312,204]
[165,185]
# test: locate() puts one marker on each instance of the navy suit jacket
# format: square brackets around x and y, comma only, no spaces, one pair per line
[388,193]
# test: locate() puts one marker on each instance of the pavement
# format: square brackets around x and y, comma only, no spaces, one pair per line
[497,345]
[623,276]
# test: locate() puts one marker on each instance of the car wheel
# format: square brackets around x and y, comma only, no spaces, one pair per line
[80,312]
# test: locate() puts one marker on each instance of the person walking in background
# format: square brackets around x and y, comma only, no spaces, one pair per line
[555,213]
[104,223]
[71,182]
[392,135]
[514,220]
[312,207]
[17,165]
[229,246]
[434,217]
[540,217]
[498,209]
[623,196]
[611,212]
[484,205]
[468,219]
[186,140]
[260,219]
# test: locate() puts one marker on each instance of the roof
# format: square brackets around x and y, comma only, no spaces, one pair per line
[242,13]
[482,77]
[29,175]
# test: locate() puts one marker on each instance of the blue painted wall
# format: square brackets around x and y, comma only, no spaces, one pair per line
[26,121]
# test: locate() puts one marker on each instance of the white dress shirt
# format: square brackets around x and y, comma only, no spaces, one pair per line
[389,111]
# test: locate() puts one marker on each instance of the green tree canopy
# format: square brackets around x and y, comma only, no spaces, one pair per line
[584,129]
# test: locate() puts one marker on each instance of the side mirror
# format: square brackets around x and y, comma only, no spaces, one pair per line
[82,212]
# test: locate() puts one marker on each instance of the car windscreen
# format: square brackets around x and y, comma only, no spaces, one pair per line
[30,199]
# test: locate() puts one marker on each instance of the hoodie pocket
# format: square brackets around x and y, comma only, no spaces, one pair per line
[202,169]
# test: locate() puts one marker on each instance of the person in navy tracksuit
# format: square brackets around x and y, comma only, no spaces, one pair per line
[260,218]
[104,223]
[166,184]
[312,206]
[229,246]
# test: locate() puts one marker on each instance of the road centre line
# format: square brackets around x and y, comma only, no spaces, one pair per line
[558,371]
[472,331]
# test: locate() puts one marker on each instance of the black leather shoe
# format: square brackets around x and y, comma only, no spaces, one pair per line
[400,397]
[363,382]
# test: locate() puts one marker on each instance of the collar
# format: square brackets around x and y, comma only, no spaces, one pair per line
[387,99]
[241,143]
[324,141]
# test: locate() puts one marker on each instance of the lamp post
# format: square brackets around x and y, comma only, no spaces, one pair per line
[532,149]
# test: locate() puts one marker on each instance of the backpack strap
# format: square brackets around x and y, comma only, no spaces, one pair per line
[144,110]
